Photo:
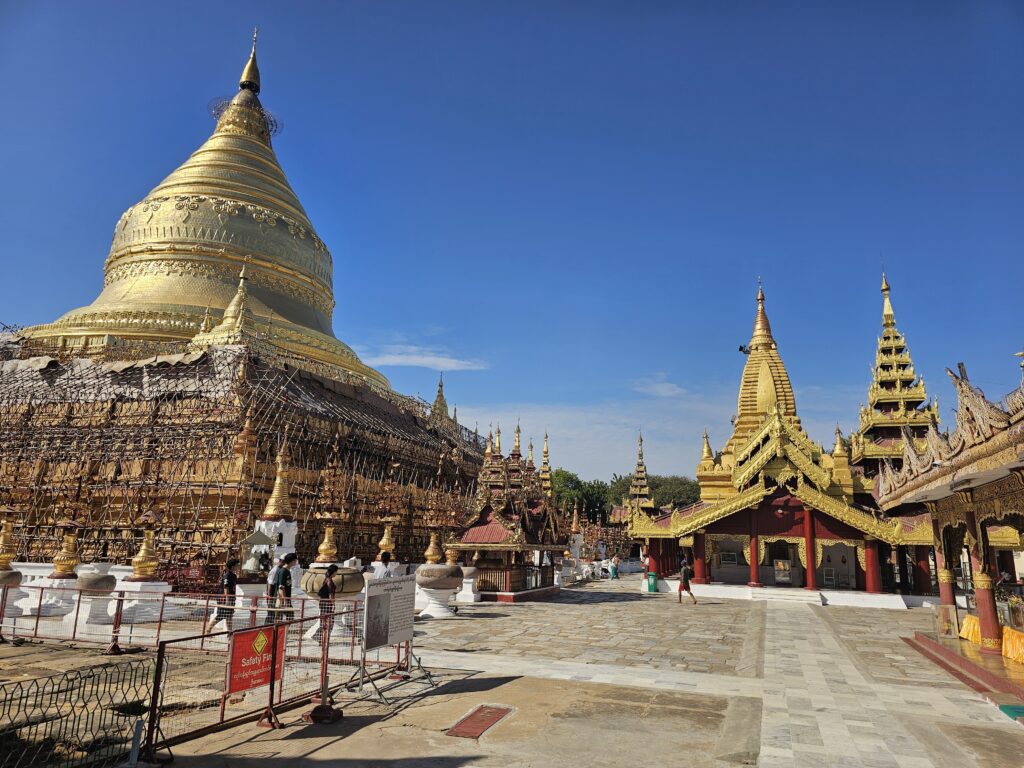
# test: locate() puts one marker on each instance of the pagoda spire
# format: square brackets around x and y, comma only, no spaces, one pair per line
[888,316]
[545,469]
[250,79]
[440,406]
[639,490]
[762,335]
[279,505]
[706,454]
[896,399]
[497,440]
[516,449]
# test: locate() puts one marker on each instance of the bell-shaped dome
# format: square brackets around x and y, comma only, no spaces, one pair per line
[176,255]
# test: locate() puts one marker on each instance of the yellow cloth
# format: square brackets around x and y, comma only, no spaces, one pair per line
[1013,644]
[970,630]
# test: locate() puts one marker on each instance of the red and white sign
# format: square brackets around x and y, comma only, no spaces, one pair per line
[251,657]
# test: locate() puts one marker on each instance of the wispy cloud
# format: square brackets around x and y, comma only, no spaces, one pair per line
[657,385]
[412,355]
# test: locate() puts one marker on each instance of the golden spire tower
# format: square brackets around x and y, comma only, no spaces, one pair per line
[545,469]
[639,490]
[896,399]
[180,249]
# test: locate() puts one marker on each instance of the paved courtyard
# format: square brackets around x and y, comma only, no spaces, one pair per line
[603,675]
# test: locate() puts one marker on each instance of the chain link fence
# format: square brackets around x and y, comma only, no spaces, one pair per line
[86,717]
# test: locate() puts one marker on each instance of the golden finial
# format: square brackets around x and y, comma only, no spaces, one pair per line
[706,454]
[146,560]
[640,448]
[545,449]
[279,505]
[207,325]
[888,316]
[386,543]
[490,445]
[497,439]
[250,79]
[66,560]
[515,440]
[327,552]
[576,517]
[433,553]
[529,452]
[8,549]
[762,328]
[840,447]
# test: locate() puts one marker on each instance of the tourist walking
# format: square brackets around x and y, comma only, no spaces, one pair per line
[684,580]
[228,588]
[283,588]
[615,567]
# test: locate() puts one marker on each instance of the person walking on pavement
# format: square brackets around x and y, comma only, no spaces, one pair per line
[228,588]
[684,580]
[283,588]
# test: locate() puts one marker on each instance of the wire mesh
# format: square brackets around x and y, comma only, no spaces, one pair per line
[85,717]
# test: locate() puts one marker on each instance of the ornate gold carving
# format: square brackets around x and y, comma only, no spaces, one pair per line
[889,532]
[820,544]
[992,643]
[764,541]
[712,539]
[945,576]
[982,581]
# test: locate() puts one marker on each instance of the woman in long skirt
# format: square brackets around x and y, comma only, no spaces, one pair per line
[684,581]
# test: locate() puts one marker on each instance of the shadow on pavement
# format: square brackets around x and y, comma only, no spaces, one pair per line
[233,761]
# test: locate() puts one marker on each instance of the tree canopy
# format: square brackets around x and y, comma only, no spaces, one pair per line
[596,497]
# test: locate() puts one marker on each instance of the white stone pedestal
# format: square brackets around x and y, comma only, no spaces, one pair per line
[94,622]
[59,598]
[141,609]
[468,593]
[437,603]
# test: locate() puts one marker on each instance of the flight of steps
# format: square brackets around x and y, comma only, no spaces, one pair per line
[786,595]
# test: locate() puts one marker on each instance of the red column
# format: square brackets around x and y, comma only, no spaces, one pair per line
[755,561]
[872,577]
[655,555]
[922,570]
[984,593]
[700,567]
[811,571]
[944,573]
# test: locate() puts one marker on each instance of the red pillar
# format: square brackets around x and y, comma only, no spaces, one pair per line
[700,567]
[984,593]
[755,560]
[811,571]
[944,573]
[872,577]
[655,557]
[922,570]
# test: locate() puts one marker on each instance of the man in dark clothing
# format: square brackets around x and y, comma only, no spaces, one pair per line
[326,594]
[228,588]
[283,588]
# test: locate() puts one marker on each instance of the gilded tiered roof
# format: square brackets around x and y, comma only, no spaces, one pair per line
[895,398]
[639,490]
[174,263]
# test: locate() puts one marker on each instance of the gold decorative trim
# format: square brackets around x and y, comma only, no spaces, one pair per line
[945,576]
[992,643]
[820,544]
[982,581]
[712,539]
[764,541]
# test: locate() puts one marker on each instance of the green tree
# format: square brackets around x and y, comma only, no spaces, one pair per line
[590,495]
[666,490]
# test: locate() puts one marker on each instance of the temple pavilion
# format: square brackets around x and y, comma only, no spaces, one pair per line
[205,381]
[511,531]
[776,508]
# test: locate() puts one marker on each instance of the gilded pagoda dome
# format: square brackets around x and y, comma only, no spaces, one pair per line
[177,254]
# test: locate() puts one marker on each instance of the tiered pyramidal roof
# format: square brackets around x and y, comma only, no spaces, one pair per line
[639,490]
[896,399]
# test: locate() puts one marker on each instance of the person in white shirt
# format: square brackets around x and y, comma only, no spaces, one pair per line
[381,570]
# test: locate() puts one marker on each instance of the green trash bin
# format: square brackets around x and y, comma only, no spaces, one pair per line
[652,582]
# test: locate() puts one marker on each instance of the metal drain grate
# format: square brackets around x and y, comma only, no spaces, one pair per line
[478,721]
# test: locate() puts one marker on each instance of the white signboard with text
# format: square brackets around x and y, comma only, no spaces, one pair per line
[388,611]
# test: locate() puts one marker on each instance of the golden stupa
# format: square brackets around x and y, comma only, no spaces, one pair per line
[177,255]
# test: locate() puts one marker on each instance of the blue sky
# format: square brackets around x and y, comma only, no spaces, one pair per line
[567,204]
